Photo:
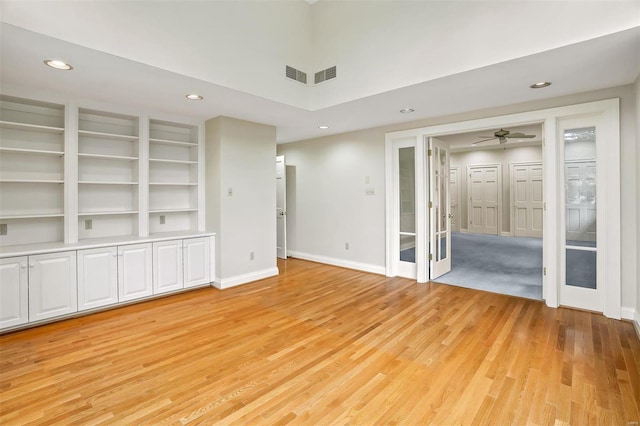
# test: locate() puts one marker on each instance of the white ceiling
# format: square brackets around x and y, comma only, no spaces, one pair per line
[606,61]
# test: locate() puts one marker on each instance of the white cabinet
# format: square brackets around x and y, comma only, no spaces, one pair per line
[52,285]
[97,277]
[14,292]
[134,271]
[167,266]
[196,255]
[180,264]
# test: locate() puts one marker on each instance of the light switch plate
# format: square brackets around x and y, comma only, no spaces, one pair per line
[162,219]
[88,224]
[3,229]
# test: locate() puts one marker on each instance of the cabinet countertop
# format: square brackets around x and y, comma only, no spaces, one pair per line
[31,249]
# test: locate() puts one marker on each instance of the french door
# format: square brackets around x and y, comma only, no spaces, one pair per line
[581,260]
[439,209]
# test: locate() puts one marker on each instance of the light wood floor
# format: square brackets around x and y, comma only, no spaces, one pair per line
[320,346]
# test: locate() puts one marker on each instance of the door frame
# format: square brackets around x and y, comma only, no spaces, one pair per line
[512,202]
[609,156]
[499,190]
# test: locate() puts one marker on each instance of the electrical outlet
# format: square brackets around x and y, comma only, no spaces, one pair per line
[346,246]
[3,229]
[230,191]
[88,224]
[370,190]
[251,256]
[162,219]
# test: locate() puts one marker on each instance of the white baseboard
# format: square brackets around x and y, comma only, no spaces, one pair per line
[633,315]
[245,278]
[365,267]
[505,234]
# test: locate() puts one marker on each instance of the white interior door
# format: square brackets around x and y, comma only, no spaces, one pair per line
[526,193]
[281,207]
[454,195]
[582,277]
[483,186]
[440,213]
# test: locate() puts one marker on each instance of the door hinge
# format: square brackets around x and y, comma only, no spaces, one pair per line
[430,205]
[430,257]
[544,207]
[429,153]
[544,271]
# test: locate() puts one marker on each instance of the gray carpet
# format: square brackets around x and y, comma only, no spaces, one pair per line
[507,265]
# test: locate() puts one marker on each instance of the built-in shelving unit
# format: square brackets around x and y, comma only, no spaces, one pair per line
[108,174]
[32,147]
[173,177]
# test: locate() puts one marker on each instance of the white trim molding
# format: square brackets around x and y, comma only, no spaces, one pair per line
[358,266]
[221,284]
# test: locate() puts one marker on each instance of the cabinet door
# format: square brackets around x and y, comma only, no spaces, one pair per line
[196,261]
[14,292]
[52,285]
[134,272]
[167,266]
[97,277]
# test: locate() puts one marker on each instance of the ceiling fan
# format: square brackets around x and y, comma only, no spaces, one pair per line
[502,136]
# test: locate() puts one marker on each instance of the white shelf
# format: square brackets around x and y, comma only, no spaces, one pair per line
[32,127]
[172,210]
[170,142]
[30,151]
[172,184]
[110,136]
[162,160]
[30,181]
[107,157]
[86,182]
[30,216]
[107,213]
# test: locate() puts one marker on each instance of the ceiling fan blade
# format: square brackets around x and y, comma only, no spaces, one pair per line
[488,137]
[484,140]
[519,135]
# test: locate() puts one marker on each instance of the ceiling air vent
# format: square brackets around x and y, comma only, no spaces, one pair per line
[325,75]
[296,75]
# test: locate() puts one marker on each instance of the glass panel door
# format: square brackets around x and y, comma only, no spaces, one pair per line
[440,214]
[580,286]
[406,210]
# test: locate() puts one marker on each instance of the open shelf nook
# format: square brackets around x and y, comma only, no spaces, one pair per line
[31,171]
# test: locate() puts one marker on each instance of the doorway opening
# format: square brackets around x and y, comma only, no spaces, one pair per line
[496,204]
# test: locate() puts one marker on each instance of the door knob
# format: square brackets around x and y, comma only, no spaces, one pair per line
[450,215]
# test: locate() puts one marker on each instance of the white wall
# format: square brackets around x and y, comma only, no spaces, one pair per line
[330,207]
[241,156]
[326,202]
[637,180]
[492,156]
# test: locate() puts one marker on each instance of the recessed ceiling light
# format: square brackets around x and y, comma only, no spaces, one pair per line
[323,127]
[194,97]
[540,85]
[58,64]
[406,110]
